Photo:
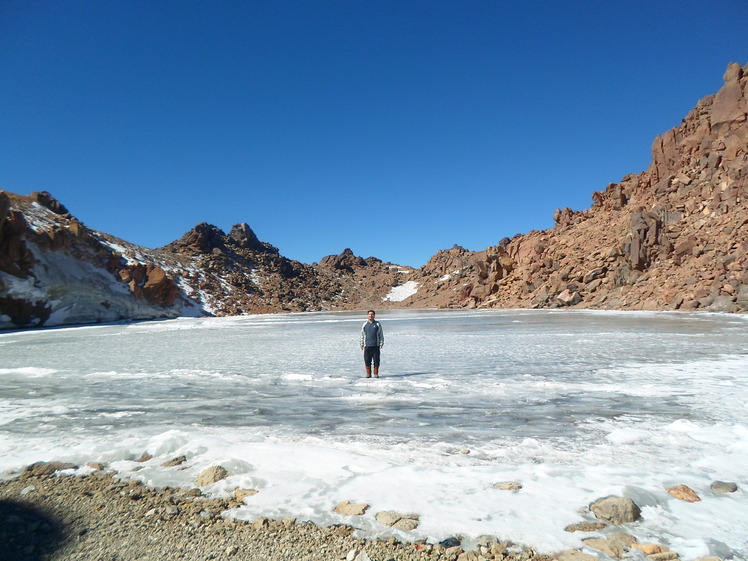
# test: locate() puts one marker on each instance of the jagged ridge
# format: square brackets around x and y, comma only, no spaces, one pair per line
[672,237]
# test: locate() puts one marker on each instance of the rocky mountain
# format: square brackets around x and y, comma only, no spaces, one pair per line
[674,237]
[56,271]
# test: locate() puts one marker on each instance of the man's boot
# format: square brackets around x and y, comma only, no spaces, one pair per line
[376,372]
[368,371]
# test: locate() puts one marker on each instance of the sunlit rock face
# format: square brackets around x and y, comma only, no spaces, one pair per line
[674,237]
[56,271]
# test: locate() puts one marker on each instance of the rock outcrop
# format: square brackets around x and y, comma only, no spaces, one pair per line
[55,271]
[673,237]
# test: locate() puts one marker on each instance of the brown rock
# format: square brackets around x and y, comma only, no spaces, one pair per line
[241,494]
[664,556]
[508,486]
[650,548]
[398,520]
[159,289]
[47,468]
[623,538]
[49,202]
[407,524]
[569,298]
[178,461]
[608,547]
[616,510]
[211,475]
[684,493]
[586,527]
[347,508]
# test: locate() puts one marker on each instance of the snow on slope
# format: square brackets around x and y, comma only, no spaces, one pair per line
[401,292]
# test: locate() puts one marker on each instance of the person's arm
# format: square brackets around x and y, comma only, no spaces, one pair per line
[362,335]
[381,336]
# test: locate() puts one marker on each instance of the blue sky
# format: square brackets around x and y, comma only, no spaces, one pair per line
[396,128]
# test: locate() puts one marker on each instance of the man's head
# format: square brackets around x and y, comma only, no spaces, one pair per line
[371,314]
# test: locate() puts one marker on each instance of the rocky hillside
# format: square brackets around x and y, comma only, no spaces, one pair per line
[56,271]
[674,237]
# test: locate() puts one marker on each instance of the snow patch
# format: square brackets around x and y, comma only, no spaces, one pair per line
[401,292]
[449,276]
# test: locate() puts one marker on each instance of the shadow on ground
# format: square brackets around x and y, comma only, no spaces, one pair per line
[405,374]
[27,533]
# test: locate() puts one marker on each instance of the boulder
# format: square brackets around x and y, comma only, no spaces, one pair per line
[211,475]
[395,519]
[388,517]
[508,485]
[664,556]
[151,283]
[724,304]
[241,494]
[623,538]
[347,508]
[721,487]
[586,527]
[608,547]
[178,461]
[47,468]
[407,524]
[453,552]
[159,289]
[684,493]
[650,548]
[565,216]
[616,510]
[569,298]
[357,555]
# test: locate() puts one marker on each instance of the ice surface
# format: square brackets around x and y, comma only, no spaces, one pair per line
[574,405]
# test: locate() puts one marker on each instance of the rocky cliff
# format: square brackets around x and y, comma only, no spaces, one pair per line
[674,237]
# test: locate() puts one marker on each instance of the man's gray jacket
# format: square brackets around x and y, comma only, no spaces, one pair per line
[372,334]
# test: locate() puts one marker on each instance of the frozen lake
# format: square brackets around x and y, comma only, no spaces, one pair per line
[574,405]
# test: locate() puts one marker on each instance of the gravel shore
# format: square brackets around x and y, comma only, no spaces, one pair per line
[97,517]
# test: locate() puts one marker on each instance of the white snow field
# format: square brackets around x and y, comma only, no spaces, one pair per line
[573,405]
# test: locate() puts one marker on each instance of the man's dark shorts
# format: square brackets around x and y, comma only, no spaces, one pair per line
[371,353]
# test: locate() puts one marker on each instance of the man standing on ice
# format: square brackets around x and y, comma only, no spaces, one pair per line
[372,339]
